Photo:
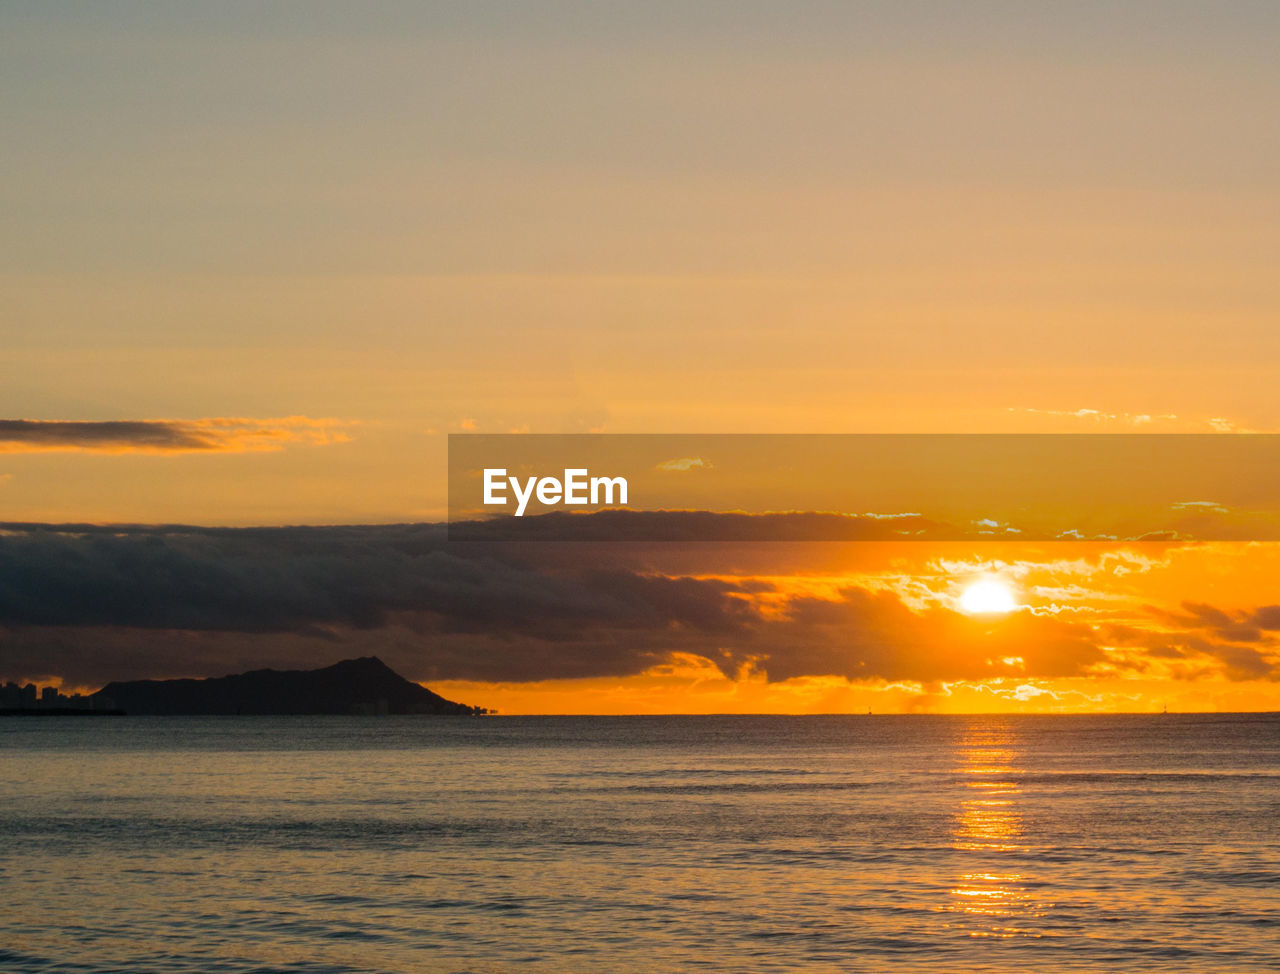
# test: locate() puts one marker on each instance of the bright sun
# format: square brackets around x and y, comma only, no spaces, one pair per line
[987,597]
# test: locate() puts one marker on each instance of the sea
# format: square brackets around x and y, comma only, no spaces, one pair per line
[563,844]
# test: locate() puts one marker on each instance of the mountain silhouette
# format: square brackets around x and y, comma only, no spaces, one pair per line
[354,686]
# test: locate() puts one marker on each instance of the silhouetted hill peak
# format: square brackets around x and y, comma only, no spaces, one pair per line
[353,686]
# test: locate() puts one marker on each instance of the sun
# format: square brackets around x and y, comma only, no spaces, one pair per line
[987,597]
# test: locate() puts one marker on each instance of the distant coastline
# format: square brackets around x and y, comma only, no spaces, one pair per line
[59,712]
[359,687]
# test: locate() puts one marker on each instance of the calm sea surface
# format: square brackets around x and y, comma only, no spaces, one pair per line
[640,844]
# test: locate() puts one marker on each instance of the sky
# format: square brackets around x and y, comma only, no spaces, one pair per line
[257,261]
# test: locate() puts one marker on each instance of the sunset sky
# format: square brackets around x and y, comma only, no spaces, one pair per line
[257,261]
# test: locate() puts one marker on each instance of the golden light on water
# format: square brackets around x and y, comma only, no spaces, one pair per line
[988,827]
[989,820]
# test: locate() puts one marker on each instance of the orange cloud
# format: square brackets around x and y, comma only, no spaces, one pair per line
[212,435]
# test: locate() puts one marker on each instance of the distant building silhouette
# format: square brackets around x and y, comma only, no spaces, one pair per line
[48,699]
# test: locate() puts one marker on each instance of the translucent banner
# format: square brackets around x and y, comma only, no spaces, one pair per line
[944,487]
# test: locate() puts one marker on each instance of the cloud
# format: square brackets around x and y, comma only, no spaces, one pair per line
[684,464]
[706,526]
[1101,417]
[213,435]
[1029,692]
[1142,421]
[669,525]
[1265,617]
[486,612]
[1239,627]
[280,579]
[1240,641]
[874,634]
[1220,424]
[1212,506]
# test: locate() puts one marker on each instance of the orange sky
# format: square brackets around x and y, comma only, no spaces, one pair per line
[290,257]
[1132,597]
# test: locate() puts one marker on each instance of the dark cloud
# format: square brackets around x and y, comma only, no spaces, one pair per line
[283,579]
[874,634]
[1241,627]
[707,526]
[1239,641]
[480,611]
[1245,663]
[1266,617]
[162,435]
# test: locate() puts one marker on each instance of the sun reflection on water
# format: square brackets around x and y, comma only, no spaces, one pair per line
[993,895]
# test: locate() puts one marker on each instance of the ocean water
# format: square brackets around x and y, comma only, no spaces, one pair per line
[859,843]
